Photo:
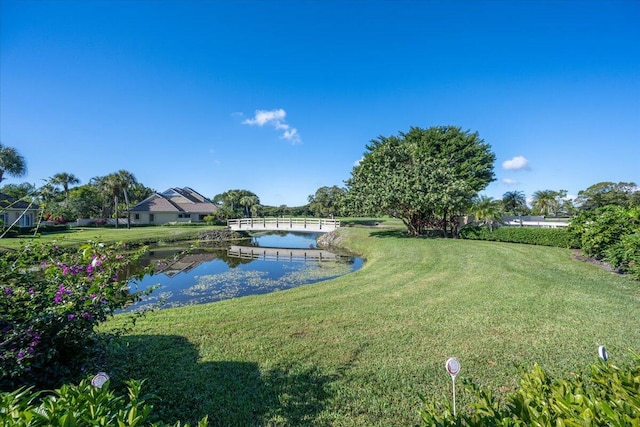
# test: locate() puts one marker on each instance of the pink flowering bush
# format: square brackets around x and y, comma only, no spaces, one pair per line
[51,300]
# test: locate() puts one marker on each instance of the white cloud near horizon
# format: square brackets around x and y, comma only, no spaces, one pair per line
[275,118]
[509,181]
[516,164]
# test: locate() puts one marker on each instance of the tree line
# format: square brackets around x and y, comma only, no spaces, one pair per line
[428,178]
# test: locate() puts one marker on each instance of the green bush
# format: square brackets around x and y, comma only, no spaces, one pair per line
[607,396]
[558,237]
[13,232]
[625,254]
[53,228]
[605,229]
[50,302]
[81,405]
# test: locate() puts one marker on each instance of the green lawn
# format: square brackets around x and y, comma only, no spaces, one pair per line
[358,350]
[79,235]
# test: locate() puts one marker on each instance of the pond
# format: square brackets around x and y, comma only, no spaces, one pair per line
[265,262]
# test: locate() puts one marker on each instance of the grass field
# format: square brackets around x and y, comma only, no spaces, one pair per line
[79,235]
[358,350]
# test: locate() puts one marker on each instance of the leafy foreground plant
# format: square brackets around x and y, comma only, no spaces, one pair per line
[81,405]
[609,396]
[50,302]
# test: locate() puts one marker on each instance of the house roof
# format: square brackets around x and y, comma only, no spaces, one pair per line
[176,200]
[8,202]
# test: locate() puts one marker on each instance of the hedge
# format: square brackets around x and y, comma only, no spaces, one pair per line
[558,237]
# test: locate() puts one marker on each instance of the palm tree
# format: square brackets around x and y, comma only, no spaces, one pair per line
[487,210]
[514,202]
[545,201]
[232,197]
[64,179]
[11,162]
[248,201]
[116,183]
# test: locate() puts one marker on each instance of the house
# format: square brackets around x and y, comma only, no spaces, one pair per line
[173,205]
[21,212]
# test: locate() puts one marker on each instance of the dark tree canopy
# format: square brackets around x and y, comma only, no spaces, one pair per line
[327,201]
[625,194]
[515,203]
[237,204]
[425,177]
[18,191]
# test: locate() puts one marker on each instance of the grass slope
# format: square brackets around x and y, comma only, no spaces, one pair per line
[358,350]
[79,235]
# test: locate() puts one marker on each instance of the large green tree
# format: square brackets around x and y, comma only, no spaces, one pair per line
[237,203]
[18,191]
[425,177]
[327,201]
[86,201]
[11,162]
[625,194]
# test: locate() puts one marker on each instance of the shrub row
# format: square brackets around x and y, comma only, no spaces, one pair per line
[25,231]
[611,233]
[558,237]
[81,405]
[607,396]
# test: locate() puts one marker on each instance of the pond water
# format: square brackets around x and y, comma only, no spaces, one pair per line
[266,262]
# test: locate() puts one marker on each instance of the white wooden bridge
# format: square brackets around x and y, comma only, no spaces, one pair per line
[281,254]
[315,225]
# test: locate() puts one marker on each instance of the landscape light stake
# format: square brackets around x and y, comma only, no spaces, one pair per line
[453,367]
[602,352]
[99,379]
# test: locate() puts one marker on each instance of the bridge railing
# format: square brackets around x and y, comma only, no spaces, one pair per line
[300,224]
[282,254]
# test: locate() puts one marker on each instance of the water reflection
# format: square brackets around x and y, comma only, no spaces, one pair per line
[266,262]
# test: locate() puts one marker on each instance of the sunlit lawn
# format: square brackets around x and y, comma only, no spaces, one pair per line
[77,236]
[358,350]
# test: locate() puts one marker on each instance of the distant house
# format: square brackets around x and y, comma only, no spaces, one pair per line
[173,205]
[22,213]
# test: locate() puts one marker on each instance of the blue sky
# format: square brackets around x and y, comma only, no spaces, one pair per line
[281,97]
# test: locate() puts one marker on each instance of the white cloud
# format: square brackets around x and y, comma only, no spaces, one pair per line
[516,164]
[357,162]
[275,118]
[509,181]
[291,135]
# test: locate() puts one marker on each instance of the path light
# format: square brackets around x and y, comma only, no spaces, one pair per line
[602,352]
[99,380]
[453,367]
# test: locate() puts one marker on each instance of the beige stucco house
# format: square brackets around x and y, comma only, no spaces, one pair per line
[173,205]
[20,212]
